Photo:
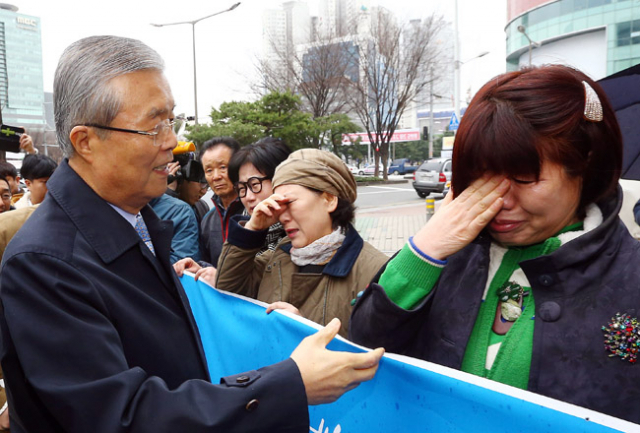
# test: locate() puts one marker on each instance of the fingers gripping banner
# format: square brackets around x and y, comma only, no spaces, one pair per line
[407,395]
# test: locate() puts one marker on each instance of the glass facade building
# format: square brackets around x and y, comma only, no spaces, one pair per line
[601,37]
[21,79]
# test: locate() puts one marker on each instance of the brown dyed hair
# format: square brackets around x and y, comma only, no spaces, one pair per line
[519,119]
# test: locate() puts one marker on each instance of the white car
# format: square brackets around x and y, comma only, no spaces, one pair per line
[370,170]
[355,170]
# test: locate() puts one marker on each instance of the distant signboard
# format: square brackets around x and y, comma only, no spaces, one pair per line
[447,143]
[398,136]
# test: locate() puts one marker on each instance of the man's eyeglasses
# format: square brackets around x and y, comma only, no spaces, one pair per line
[159,133]
[254,184]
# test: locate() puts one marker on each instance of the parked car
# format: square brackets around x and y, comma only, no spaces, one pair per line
[401,166]
[370,170]
[355,170]
[433,176]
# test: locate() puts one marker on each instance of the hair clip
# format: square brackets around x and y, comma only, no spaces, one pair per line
[592,105]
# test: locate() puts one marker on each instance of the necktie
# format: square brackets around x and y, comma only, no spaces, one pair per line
[143,232]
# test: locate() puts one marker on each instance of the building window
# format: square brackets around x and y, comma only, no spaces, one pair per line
[628,33]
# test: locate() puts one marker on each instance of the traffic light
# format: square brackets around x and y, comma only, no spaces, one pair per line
[425,133]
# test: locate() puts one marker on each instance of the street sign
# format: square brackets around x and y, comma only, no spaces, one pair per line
[453,123]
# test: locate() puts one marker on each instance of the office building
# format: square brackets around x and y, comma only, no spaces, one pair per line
[599,37]
[284,28]
[21,82]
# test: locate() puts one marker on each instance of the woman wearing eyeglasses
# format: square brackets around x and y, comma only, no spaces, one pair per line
[323,263]
[251,170]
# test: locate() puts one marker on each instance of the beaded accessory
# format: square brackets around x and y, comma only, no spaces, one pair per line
[592,105]
[622,337]
[509,307]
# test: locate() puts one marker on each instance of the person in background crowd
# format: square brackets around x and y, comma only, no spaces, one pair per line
[96,331]
[36,171]
[190,186]
[10,174]
[318,269]
[10,223]
[525,275]
[185,239]
[251,169]
[215,155]
[5,195]
[8,171]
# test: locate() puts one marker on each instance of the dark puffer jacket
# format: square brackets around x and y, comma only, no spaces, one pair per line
[578,289]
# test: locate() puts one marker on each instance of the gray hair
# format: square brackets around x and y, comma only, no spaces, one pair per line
[81,91]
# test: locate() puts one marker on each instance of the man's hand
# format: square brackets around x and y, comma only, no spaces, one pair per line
[207,274]
[173,167]
[281,305]
[26,144]
[187,264]
[327,374]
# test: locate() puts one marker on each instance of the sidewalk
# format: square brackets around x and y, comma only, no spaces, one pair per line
[389,228]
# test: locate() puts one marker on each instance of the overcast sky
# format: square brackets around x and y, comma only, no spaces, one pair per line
[228,44]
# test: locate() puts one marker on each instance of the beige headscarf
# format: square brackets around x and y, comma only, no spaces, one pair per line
[319,170]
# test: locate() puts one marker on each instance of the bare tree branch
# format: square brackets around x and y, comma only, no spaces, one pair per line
[397,62]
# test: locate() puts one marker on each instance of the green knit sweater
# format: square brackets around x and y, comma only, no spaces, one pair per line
[409,278]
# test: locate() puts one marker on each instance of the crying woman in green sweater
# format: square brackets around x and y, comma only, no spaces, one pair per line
[526,262]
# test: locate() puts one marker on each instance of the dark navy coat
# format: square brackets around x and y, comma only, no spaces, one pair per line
[97,333]
[577,289]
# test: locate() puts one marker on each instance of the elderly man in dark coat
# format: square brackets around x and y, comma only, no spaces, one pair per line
[97,333]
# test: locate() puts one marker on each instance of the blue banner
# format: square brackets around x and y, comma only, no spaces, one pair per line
[407,395]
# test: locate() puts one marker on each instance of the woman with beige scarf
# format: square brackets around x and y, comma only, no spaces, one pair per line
[322,264]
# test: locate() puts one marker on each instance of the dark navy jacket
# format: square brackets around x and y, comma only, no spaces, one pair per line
[214,229]
[97,333]
[578,289]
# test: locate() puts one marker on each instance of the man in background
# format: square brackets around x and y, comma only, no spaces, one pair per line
[215,155]
[189,184]
[36,171]
[8,170]
[5,195]
[185,242]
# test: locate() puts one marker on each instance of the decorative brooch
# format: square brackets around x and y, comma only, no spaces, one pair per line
[510,295]
[622,337]
[509,308]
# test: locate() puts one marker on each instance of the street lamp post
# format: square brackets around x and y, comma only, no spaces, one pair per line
[456,88]
[532,44]
[456,61]
[193,37]
[431,96]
